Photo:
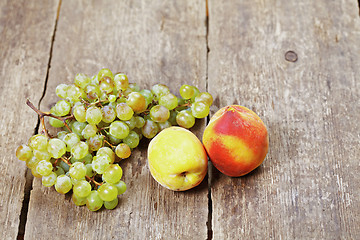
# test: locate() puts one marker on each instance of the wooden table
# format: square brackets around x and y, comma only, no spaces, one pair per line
[295,63]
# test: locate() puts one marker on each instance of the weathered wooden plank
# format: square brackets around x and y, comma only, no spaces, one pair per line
[25,36]
[153,42]
[307,188]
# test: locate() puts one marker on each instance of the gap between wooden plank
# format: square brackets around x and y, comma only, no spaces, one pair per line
[28,175]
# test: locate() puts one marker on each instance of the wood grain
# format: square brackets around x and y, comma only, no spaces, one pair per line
[25,35]
[308,186]
[153,42]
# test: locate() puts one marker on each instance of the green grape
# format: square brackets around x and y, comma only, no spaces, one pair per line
[123,151]
[148,96]
[59,171]
[187,91]
[89,131]
[82,188]
[80,150]
[85,160]
[77,170]
[134,87]
[92,91]
[61,135]
[93,201]
[93,115]
[56,147]
[35,173]
[150,129]
[159,113]
[137,102]
[131,123]
[121,186]
[113,174]
[32,162]
[38,142]
[204,97]
[164,125]
[95,142]
[63,184]
[159,90]
[169,101]
[49,180]
[71,139]
[81,80]
[42,155]
[119,129]
[78,201]
[121,81]
[108,114]
[56,123]
[106,84]
[114,140]
[132,140]
[124,112]
[61,90]
[89,170]
[185,119]
[200,109]
[107,151]
[196,92]
[78,127]
[64,166]
[112,204]
[112,98]
[74,93]
[139,122]
[79,113]
[107,192]
[105,72]
[44,168]
[101,163]
[24,152]
[172,118]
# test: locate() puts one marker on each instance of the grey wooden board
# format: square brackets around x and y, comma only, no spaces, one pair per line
[25,35]
[308,186]
[153,42]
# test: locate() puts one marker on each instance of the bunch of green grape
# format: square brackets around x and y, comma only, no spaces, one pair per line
[101,119]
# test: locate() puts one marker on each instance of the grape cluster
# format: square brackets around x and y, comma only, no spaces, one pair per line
[101,119]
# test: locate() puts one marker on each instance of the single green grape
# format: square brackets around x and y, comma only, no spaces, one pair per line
[77,170]
[63,184]
[61,90]
[185,119]
[38,142]
[124,112]
[137,102]
[159,90]
[112,204]
[108,114]
[35,173]
[95,142]
[148,95]
[64,166]
[78,127]
[107,192]
[89,170]
[49,180]
[56,147]
[131,123]
[71,139]
[74,93]
[80,150]
[204,97]
[32,162]
[150,129]
[119,129]
[56,123]
[105,72]
[200,109]
[196,92]
[81,80]
[113,173]
[121,186]
[159,113]
[42,155]
[107,151]
[169,101]
[82,188]
[93,115]
[61,135]
[78,201]
[93,201]
[24,152]
[121,81]
[92,91]
[89,131]
[112,98]
[106,84]
[101,163]
[187,91]
[44,168]
[79,113]
[164,125]
[139,122]
[123,151]
[132,140]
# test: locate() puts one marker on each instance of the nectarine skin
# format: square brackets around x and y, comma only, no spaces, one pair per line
[236,140]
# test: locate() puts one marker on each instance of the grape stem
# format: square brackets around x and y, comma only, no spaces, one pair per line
[47,114]
[93,180]
[65,161]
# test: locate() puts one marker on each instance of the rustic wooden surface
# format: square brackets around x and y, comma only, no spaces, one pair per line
[308,186]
